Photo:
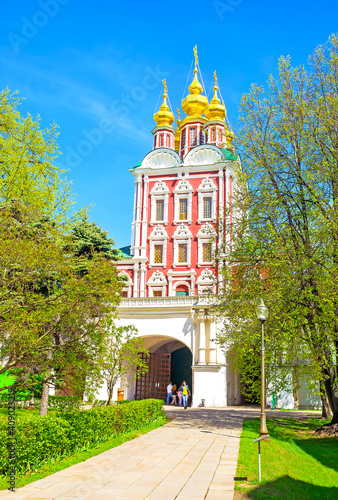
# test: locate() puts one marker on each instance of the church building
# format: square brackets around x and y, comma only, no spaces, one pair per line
[181,188]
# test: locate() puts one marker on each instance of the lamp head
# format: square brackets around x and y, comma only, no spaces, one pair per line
[262,312]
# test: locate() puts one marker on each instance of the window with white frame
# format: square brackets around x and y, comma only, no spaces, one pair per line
[206,245]
[157,285]
[158,254]
[206,282]
[127,284]
[207,207]
[207,201]
[159,212]
[182,246]
[159,195]
[183,208]
[158,247]
[183,202]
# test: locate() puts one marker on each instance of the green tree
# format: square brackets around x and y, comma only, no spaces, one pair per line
[284,223]
[27,155]
[89,238]
[51,316]
[121,356]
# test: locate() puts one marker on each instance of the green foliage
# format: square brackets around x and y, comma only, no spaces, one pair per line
[26,162]
[41,440]
[121,348]
[51,316]
[284,223]
[89,238]
[295,463]
[64,403]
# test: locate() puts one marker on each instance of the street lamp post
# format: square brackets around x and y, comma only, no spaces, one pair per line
[262,314]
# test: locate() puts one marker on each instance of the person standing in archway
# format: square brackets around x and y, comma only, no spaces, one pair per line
[185,394]
[169,395]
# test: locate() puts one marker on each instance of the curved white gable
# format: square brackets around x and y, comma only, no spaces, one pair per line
[204,155]
[164,158]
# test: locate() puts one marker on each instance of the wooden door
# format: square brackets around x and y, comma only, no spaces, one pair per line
[153,384]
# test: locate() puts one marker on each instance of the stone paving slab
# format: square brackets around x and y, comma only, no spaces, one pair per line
[194,457]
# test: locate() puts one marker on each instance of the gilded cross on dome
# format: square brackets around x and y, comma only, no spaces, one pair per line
[165,85]
[196,56]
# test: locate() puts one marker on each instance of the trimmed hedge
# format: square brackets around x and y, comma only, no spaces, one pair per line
[41,440]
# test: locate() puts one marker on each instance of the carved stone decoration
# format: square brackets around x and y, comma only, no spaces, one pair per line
[160,188]
[159,233]
[182,231]
[183,186]
[206,231]
[203,156]
[157,278]
[161,159]
[207,184]
[207,278]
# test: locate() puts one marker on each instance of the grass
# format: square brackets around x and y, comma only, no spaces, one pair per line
[79,456]
[296,464]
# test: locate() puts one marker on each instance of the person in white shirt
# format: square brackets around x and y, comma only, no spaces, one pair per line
[169,395]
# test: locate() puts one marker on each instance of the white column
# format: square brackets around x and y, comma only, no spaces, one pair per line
[227,206]
[142,280]
[201,346]
[138,218]
[220,228]
[145,216]
[192,279]
[134,216]
[212,341]
[170,288]
[136,273]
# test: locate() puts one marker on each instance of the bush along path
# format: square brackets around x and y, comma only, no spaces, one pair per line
[43,440]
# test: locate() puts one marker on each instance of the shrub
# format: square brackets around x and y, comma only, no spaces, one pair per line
[44,439]
[62,403]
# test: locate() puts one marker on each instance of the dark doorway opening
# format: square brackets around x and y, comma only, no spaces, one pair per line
[180,367]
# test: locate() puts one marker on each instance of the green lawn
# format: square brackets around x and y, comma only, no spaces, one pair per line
[80,456]
[296,464]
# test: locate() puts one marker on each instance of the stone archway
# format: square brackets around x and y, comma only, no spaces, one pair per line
[169,360]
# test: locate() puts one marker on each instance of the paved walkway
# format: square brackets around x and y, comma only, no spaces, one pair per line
[194,457]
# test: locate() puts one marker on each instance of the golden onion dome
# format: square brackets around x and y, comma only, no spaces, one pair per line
[216,110]
[195,104]
[163,115]
[229,138]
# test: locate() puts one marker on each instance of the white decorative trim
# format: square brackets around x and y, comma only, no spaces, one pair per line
[183,190]
[205,235]
[207,231]
[161,158]
[206,189]
[182,231]
[157,281]
[158,236]
[182,235]
[206,281]
[127,285]
[204,155]
[160,191]
[207,184]
[160,188]
[184,283]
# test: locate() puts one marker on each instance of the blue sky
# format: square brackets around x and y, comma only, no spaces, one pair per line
[95,69]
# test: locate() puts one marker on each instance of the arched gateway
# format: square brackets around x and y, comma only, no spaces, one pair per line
[181,188]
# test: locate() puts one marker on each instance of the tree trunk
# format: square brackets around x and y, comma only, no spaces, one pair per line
[326,412]
[44,399]
[330,384]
